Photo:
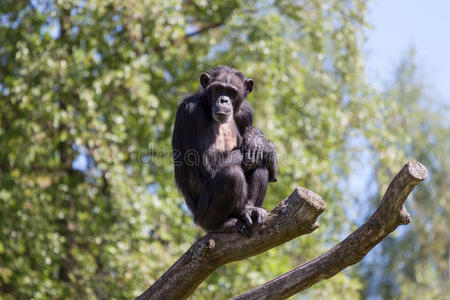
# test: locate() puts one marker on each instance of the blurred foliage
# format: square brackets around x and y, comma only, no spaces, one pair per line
[414,264]
[88,92]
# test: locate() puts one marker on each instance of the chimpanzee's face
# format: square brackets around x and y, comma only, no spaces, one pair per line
[225,94]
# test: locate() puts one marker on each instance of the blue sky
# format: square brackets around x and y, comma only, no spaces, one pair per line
[401,24]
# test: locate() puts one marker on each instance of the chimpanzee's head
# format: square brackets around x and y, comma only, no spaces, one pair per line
[225,89]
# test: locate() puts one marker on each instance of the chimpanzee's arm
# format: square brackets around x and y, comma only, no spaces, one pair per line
[251,136]
[244,117]
[253,147]
[214,161]
[257,151]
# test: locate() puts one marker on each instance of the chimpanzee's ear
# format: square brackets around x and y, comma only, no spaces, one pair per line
[204,80]
[249,85]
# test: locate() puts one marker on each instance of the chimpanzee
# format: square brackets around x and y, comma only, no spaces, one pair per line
[222,163]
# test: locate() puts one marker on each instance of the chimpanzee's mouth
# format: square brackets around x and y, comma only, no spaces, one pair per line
[222,113]
[222,116]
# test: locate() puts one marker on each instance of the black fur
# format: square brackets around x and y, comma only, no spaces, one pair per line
[224,189]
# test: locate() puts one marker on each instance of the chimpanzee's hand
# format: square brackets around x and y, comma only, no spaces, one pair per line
[253,214]
[253,156]
[253,148]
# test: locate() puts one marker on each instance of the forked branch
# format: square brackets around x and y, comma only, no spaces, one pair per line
[297,215]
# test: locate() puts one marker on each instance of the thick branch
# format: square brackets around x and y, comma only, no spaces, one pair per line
[294,216]
[389,215]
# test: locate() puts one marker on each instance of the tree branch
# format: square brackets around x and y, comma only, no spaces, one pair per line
[390,214]
[297,215]
[203,29]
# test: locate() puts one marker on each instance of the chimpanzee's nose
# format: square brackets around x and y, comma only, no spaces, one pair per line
[224,100]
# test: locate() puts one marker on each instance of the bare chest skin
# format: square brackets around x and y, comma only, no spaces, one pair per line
[226,136]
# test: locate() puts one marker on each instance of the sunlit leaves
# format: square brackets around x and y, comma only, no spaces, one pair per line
[101,80]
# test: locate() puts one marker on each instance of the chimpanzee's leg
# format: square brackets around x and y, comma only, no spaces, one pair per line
[258,180]
[222,198]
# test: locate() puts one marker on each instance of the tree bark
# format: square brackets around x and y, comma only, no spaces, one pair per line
[297,215]
[390,214]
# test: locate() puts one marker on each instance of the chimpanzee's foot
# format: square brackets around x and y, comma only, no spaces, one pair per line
[234,225]
[253,214]
[243,228]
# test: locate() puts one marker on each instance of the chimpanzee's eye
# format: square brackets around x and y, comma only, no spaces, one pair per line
[231,92]
[218,90]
